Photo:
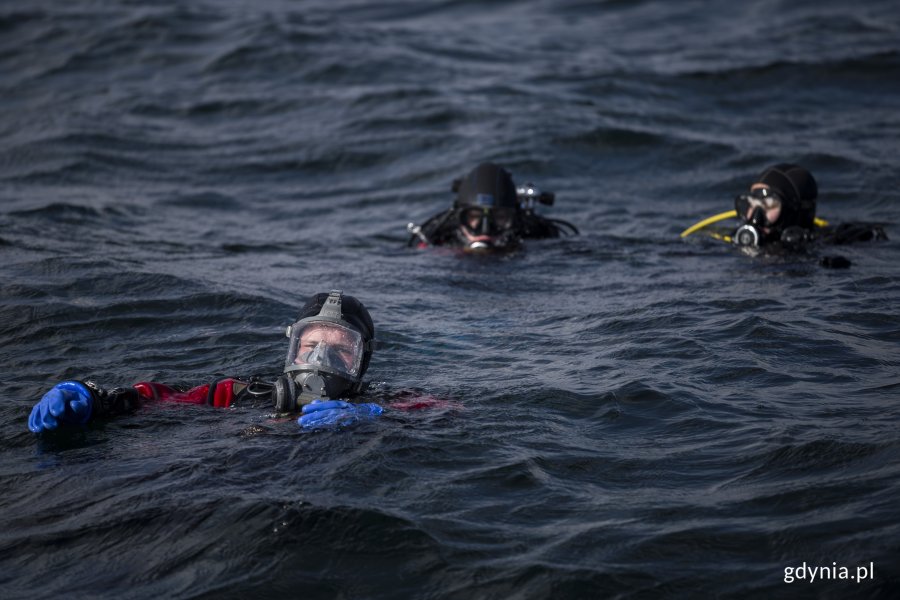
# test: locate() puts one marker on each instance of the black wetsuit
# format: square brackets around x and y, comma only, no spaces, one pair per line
[797,240]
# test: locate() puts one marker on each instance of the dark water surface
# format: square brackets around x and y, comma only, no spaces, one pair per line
[642,417]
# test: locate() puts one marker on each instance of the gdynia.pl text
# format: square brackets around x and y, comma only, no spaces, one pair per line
[810,574]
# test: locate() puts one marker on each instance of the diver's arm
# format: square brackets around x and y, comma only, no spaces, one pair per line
[79,402]
[221,393]
[117,401]
[849,233]
[433,232]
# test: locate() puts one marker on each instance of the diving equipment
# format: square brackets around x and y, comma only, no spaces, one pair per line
[762,202]
[529,193]
[416,230]
[746,235]
[486,220]
[487,208]
[781,201]
[755,228]
[489,213]
[730,214]
[329,351]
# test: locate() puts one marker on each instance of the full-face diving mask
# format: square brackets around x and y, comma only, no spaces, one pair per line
[752,208]
[324,359]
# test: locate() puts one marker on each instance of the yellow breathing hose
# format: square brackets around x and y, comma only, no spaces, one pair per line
[713,219]
[731,214]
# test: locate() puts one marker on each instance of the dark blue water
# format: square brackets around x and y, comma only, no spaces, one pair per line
[642,417]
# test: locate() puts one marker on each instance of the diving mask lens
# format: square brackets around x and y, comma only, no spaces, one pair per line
[485,221]
[504,218]
[761,198]
[765,198]
[326,345]
[474,219]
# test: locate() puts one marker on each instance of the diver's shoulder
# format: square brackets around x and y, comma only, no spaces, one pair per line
[852,232]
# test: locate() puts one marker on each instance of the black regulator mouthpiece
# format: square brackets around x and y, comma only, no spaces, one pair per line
[291,393]
[758,218]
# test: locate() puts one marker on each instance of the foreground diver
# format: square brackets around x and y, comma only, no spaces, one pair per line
[489,214]
[778,215]
[330,347]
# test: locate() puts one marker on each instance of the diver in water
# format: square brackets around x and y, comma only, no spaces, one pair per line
[330,347]
[489,214]
[778,215]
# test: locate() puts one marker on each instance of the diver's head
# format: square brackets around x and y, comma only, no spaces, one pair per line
[487,208]
[783,196]
[329,351]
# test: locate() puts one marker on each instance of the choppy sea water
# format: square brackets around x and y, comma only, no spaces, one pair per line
[640,416]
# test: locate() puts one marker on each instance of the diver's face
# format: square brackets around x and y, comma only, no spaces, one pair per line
[337,340]
[771,204]
[472,219]
[486,225]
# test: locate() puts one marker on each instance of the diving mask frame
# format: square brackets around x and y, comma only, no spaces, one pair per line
[484,217]
[759,201]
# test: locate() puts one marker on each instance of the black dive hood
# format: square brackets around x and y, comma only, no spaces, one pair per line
[798,191]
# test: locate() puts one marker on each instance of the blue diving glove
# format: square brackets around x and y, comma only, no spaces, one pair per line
[66,402]
[336,413]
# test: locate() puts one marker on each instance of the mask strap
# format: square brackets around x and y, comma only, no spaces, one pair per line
[332,306]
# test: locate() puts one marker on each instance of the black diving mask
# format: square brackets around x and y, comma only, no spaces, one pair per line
[486,220]
[761,201]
